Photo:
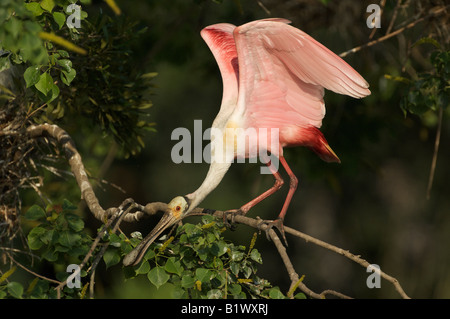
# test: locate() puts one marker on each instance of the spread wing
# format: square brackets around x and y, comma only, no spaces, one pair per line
[283,73]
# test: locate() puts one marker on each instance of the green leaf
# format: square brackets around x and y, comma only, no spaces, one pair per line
[45,83]
[35,212]
[48,237]
[63,53]
[67,77]
[191,230]
[53,94]
[74,222]
[60,18]
[256,256]
[67,205]
[48,5]
[173,266]
[149,254]
[4,63]
[236,255]
[66,64]
[35,8]
[15,289]
[275,293]
[143,268]
[50,255]
[203,274]
[32,75]
[300,295]
[187,281]
[235,289]
[235,268]
[68,238]
[158,276]
[34,241]
[111,257]
[218,248]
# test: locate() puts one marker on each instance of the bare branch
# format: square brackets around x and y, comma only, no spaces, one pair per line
[396,32]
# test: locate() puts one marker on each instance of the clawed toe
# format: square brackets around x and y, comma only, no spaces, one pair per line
[277,223]
[233,212]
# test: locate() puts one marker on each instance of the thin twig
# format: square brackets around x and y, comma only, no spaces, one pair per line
[435,153]
[32,272]
[382,4]
[364,263]
[394,16]
[267,11]
[394,33]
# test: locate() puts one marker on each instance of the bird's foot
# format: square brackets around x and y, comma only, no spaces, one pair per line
[232,213]
[277,223]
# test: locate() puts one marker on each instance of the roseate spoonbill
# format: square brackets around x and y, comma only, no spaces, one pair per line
[273,77]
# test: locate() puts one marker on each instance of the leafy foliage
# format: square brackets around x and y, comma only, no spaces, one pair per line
[81,79]
[197,261]
[201,264]
[58,236]
[431,90]
[84,73]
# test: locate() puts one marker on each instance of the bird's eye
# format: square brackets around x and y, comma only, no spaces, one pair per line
[178,208]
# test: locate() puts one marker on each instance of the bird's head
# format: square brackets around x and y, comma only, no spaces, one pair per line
[178,207]
[176,210]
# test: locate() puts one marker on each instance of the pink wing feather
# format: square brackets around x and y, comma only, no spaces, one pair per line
[282,73]
[220,40]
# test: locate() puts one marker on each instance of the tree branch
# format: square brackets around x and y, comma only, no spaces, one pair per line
[75,162]
[132,212]
[256,223]
[396,32]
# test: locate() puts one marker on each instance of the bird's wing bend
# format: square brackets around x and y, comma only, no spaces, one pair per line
[220,40]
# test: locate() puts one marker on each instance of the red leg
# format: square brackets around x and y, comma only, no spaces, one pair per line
[293,182]
[278,223]
[276,186]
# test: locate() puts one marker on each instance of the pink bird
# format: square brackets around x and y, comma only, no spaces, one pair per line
[274,77]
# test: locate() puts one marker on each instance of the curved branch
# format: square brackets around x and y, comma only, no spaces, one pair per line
[77,167]
[75,162]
